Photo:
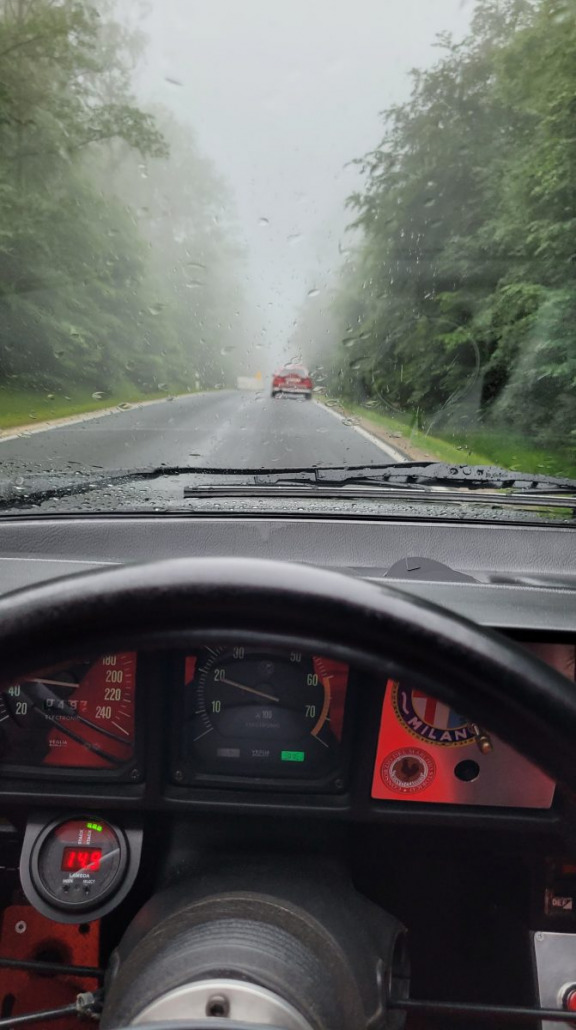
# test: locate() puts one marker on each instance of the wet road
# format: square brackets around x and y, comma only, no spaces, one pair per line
[227,429]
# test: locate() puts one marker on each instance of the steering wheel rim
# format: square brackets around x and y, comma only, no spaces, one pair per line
[378,628]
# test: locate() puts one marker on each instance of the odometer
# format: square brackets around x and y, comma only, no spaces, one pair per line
[79,717]
[262,714]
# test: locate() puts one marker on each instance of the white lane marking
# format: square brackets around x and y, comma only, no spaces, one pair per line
[387,448]
[71,420]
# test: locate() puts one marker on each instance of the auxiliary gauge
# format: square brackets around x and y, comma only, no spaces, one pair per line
[77,869]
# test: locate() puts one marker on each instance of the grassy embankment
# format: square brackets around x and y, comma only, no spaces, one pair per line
[480,447]
[24,407]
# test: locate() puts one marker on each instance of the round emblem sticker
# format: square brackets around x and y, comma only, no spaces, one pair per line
[408,770]
[430,720]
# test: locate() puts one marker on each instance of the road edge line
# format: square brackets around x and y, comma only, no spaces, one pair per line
[392,452]
[26,429]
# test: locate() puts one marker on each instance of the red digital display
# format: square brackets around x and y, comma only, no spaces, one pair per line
[76,859]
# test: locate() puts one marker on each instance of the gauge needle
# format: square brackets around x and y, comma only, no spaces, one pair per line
[251,690]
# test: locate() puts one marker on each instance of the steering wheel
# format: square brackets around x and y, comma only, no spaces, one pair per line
[375,628]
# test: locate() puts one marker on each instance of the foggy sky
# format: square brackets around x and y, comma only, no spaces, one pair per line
[282,94]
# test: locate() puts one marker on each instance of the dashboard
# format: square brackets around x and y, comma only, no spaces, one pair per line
[126,773]
[226,729]
[228,721]
[180,732]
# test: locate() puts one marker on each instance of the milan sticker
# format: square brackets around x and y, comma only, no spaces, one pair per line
[408,770]
[430,720]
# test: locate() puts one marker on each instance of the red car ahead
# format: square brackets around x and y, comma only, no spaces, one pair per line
[292,379]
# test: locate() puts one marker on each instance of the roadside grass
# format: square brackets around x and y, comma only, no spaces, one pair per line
[24,407]
[480,447]
[515,452]
[438,448]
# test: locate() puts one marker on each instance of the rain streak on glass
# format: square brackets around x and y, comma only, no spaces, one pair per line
[248,235]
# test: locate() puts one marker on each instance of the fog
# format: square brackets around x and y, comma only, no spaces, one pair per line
[282,97]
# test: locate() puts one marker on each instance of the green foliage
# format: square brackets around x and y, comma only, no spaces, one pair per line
[460,299]
[93,285]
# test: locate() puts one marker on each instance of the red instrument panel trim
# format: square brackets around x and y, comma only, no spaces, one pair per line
[429,753]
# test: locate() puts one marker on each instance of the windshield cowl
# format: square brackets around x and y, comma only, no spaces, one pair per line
[290,493]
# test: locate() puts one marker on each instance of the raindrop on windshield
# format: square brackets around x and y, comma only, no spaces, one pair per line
[171,81]
[97,395]
[264,221]
[227,350]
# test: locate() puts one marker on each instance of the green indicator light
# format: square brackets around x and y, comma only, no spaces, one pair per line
[94,826]
[292,756]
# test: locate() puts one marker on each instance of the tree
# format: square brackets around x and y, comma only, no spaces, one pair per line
[468,223]
[101,222]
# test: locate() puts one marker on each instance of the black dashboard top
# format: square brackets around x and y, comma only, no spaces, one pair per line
[520,577]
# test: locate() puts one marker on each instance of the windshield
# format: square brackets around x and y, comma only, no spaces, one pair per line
[280,234]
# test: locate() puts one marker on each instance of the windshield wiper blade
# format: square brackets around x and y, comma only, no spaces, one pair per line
[22,489]
[430,473]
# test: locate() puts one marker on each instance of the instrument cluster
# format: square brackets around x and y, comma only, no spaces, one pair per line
[257,719]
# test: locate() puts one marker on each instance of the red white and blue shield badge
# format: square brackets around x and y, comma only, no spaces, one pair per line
[430,720]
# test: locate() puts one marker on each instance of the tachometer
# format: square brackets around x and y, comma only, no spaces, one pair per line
[79,717]
[263,714]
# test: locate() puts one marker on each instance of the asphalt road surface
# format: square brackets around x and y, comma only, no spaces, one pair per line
[227,429]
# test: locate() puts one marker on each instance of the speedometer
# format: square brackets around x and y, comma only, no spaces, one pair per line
[77,717]
[262,714]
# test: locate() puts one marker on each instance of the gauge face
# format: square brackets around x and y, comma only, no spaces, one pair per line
[79,863]
[263,714]
[80,717]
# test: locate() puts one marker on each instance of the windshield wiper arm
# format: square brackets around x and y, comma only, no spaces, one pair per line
[22,491]
[430,473]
